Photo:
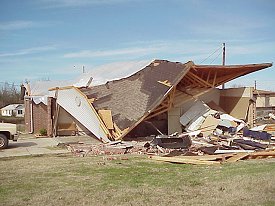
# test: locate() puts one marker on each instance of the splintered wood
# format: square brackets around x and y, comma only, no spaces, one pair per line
[214,159]
[106,116]
[184,160]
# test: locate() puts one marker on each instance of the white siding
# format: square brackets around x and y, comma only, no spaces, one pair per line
[78,106]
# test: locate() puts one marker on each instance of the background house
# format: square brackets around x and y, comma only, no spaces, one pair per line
[16,110]
[265,104]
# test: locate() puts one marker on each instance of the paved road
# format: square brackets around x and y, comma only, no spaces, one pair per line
[32,146]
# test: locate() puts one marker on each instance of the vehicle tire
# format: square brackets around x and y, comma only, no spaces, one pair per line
[3,141]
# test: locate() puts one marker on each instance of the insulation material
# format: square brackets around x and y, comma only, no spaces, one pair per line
[79,107]
[106,116]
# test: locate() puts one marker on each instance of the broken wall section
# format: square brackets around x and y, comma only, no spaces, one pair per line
[174,114]
[239,103]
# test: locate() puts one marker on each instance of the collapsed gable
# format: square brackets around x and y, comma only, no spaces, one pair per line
[132,98]
[156,89]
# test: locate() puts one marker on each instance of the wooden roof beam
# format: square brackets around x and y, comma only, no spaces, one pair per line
[228,78]
[199,80]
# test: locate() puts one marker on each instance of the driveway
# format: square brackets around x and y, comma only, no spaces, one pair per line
[29,145]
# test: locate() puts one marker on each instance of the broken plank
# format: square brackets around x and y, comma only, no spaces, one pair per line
[263,153]
[237,157]
[207,157]
[166,83]
[223,151]
[184,160]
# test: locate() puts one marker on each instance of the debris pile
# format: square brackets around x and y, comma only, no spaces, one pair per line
[188,148]
[112,148]
[211,137]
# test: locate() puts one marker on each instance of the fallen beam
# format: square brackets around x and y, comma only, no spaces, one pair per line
[237,157]
[263,153]
[184,160]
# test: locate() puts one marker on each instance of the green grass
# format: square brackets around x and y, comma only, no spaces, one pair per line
[68,180]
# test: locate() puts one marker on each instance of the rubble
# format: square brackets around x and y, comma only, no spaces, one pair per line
[185,148]
[212,137]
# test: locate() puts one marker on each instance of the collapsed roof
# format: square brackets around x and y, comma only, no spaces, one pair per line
[151,90]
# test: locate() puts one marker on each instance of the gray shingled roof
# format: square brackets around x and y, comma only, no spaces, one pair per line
[131,98]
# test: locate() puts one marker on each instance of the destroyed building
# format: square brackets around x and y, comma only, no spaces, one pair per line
[151,100]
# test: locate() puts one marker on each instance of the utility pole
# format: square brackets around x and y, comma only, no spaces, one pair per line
[255,85]
[223,59]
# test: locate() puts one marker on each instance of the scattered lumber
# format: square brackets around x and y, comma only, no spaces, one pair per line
[208,157]
[262,154]
[184,160]
[220,151]
[270,127]
[237,157]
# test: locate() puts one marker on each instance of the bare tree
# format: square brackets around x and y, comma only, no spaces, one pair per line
[9,94]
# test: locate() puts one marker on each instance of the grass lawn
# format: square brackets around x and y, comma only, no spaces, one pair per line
[68,180]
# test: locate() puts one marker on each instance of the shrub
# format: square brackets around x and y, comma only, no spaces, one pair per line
[43,132]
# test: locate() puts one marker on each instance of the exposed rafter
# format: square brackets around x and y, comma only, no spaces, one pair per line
[199,80]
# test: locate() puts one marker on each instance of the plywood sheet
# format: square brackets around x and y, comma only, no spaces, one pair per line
[209,125]
[184,160]
[237,157]
[106,116]
[214,106]
[235,106]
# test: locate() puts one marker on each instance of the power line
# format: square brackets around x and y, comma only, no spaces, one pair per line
[211,54]
[215,57]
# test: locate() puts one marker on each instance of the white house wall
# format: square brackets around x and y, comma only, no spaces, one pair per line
[78,106]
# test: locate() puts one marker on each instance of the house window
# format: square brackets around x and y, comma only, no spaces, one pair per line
[20,112]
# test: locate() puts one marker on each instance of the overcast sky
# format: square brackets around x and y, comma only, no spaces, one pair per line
[53,39]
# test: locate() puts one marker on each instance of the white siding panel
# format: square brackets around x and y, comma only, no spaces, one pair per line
[77,105]
[198,109]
